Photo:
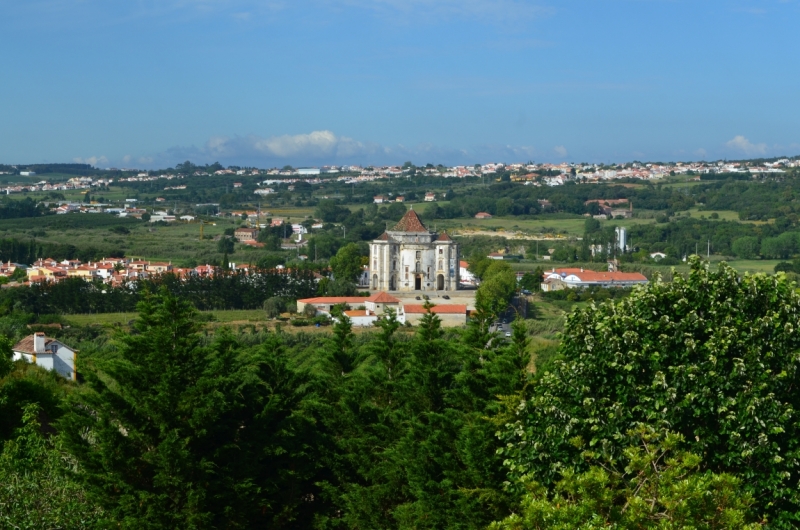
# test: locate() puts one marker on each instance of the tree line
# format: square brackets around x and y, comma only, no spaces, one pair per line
[224,290]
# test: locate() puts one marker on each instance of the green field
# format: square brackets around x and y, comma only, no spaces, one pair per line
[111,319]
[559,224]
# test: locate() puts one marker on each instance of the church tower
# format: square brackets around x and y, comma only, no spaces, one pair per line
[411,258]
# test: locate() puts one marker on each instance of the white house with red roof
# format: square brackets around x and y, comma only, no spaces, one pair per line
[558,279]
[48,353]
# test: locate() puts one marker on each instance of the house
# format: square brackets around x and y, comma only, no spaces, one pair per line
[400,199]
[245,234]
[483,215]
[430,197]
[48,353]
[380,302]
[324,304]
[361,317]
[466,276]
[158,267]
[495,255]
[658,256]
[237,184]
[379,199]
[558,279]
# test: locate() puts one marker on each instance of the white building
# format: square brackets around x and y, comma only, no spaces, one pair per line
[48,353]
[558,279]
[622,237]
[411,258]
[465,275]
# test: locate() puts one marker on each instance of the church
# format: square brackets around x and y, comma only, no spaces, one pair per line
[411,258]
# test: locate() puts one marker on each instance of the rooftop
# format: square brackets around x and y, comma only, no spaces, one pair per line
[410,223]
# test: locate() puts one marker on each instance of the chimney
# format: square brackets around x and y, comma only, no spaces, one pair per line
[38,342]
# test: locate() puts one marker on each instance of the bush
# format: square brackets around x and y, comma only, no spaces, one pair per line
[711,356]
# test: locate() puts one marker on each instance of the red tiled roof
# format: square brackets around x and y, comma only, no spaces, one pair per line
[357,313]
[26,345]
[443,237]
[410,223]
[383,237]
[444,309]
[383,298]
[334,300]
[594,276]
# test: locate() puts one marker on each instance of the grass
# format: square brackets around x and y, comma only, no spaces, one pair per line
[223,317]
[175,242]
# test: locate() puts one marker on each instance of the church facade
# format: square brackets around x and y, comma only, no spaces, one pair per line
[409,258]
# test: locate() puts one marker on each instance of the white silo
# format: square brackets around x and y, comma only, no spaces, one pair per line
[622,237]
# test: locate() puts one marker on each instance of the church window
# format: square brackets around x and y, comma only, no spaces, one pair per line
[419,254]
[440,264]
[406,272]
[419,267]
[441,250]
[374,265]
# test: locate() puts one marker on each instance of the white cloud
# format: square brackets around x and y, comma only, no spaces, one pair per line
[92,160]
[743,145]
[324,147]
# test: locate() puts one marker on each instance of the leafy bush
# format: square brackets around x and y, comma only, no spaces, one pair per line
[712,356]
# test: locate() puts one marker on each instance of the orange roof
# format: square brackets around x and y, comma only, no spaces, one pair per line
[334,300]
[410,223]
[443,237]
[594,276]
[357,313]
[383,237]
[383,298]
[445,309]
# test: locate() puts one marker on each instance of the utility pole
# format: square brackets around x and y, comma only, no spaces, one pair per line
[708,252]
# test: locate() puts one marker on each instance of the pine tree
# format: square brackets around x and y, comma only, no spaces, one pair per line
[173,433]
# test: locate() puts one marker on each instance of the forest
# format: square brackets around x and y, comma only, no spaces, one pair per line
[661,409]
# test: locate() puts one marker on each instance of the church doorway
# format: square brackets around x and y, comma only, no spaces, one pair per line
[393,283]
[440,282]
[374,281]
[418,283]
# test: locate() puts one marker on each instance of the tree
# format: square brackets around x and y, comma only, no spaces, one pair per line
[532,281]
[690,355]
[225,245]
[37,486]
[346,264]
[496,290]
[654,485]
[273,306]
[174,433]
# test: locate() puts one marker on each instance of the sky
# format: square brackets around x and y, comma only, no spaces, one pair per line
[149,83]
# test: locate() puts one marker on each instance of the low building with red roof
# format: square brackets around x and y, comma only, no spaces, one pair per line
[450,314]
[568,278]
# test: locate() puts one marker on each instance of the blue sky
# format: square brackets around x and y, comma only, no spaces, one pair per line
[145,83]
